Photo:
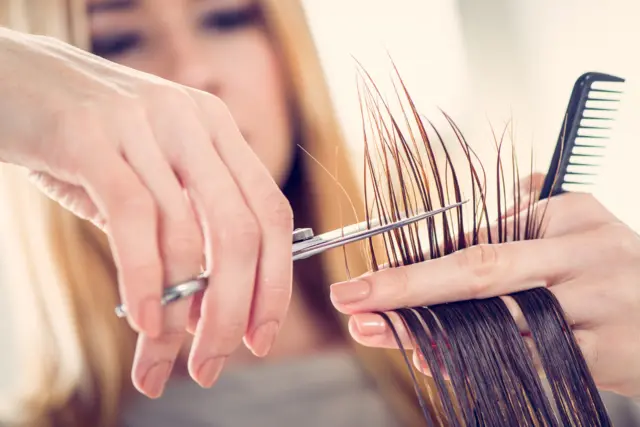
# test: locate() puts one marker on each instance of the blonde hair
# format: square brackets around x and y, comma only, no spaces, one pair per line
[75,354]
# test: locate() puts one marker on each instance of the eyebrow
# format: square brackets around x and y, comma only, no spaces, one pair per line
[111,5]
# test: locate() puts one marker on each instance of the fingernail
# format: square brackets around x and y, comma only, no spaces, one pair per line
[350,292]
[369,324]
[420,362]
[151,317]
[209,371]
[156,378]
[263,338]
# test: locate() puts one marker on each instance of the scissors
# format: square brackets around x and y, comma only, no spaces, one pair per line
[305,245]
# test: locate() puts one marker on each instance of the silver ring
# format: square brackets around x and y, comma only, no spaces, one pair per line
[174,293]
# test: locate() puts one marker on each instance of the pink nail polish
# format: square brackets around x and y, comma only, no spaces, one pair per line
[370,324]
[209,371]
[263,338]
[156,378]
[350,292]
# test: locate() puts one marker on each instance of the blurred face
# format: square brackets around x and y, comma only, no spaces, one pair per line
[219,46]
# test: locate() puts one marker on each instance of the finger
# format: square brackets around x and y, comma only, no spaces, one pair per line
[182,250]
[526,191]
[516,313]
[194,312]
[561,215]
[370,330]
[275,218]
[587,340]
[232,238]
[70,196]
[571,213]
[533,353]
[585,302]
[530,185]
[422,366]
[521,225]
[584,305]
[522,205]
[130,214]
[477,272]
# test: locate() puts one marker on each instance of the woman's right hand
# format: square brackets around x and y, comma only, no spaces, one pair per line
[124,149]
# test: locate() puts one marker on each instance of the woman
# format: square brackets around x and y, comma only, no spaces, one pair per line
[260,61]
[80,357]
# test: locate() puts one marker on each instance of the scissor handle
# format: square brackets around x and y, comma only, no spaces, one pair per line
[174,293]
[190,287]
[302,234]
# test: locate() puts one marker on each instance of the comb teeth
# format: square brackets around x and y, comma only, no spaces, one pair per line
[592,134]
[587,128]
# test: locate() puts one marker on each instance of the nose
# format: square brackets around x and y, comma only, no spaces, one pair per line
[190,65]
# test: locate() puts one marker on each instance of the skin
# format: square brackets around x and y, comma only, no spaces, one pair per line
[184,42]
[149,160]
[587,258]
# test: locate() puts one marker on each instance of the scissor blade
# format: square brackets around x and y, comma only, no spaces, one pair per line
[357,232]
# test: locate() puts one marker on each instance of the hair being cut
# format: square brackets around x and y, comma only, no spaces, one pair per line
[483,372]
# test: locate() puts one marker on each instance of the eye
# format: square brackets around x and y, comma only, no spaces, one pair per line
[231,19]
[115,45]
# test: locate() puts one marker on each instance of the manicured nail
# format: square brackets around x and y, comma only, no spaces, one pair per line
[420,363]
[209,371]
[155,379]
[369,324]
[349,292]
[263,338]
[151,317]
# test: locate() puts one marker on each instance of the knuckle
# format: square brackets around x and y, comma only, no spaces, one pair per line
[214,105]
[278,211]
[130,110]
[481,261]
[239,233]
[172,97]
[214,109]
[132,201]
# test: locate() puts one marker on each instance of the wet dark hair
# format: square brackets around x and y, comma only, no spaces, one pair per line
[483,371]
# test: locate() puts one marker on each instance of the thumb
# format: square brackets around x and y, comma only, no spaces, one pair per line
[527,188]
[531,184]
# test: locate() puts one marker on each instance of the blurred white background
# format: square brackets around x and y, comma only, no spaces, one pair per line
[487,61]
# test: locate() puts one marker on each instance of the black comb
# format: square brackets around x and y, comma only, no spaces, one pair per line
[586,128]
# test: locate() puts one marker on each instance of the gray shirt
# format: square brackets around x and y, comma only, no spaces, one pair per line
[319,391]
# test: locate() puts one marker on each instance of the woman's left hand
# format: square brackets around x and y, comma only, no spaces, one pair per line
[587,258]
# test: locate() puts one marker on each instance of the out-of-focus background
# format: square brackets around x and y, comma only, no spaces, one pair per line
[483,61]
